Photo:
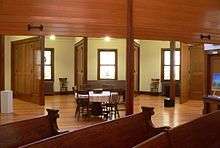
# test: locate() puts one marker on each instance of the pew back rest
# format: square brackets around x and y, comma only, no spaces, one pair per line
[159,141]
[199,133]
[22,132]
[125,132]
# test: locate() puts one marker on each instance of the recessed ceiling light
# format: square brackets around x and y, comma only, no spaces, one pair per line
[107,39]
[52,37]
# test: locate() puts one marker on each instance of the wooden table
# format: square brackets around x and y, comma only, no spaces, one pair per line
[104,96]
[97,99]
[211,103]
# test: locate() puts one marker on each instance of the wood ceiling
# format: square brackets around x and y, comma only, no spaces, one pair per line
[181,20]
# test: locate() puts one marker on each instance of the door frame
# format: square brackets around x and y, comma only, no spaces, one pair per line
[84,42]
[2,62]
[26,40]
[138,47]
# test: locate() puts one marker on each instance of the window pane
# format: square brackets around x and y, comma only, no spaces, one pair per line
[47,73]
[166,72]
[107,57]
[177,57]
[107,72]
[177,72]
[166,57]
[47,57]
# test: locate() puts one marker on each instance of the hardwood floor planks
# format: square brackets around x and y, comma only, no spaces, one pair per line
[182,113]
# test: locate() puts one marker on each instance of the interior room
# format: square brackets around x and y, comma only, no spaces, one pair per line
[60,62]
[134,74]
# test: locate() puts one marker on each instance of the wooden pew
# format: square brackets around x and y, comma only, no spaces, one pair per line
[120,133]
[23,132]
[203,132]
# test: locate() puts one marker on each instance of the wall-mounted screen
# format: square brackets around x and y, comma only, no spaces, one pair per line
[216,82]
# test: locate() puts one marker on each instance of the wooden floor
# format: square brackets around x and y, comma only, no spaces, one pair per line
[163,116]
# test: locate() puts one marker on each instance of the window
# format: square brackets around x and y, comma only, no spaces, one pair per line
[49,64]
[107,64]
[166,61]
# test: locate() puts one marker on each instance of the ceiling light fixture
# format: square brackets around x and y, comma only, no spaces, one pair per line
[107,39]
[52,37]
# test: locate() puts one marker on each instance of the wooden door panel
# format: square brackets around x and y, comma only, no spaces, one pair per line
[27,70]
[136,66]
[197,72]
[185,73]
[81,62]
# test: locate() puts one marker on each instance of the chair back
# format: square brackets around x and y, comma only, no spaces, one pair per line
[114,98]
[82,97]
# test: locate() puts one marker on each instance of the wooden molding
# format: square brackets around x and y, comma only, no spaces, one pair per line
[116,63]
[63,93]
[149,93]
[2,63]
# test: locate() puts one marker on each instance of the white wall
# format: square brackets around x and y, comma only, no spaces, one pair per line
[98,43]
[150,62]
[63,60]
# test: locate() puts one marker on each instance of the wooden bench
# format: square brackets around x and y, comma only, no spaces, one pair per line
[203,132]
[27,131]
[121,133]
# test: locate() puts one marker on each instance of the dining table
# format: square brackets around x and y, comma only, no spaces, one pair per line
[97,98]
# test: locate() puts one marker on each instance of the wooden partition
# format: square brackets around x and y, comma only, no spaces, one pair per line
[185,73]
[27,70]
[193,72]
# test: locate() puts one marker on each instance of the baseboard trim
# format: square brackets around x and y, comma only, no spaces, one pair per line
[149,93]
[63,93]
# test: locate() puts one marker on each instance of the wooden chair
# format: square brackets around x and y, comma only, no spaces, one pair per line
[111,107]
[82,101]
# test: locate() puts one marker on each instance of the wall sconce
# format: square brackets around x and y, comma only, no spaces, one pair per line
[202,37]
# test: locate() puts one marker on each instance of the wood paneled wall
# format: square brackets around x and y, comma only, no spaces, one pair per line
[65,17]
[2,63]
[160,19]
[182,20]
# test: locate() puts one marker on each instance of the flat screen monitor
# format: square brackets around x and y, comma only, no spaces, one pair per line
[216,82]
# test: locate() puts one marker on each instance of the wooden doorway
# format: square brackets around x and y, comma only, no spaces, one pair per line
[197,71]
[136,67]
[2,63]
[27,69]
[80,62]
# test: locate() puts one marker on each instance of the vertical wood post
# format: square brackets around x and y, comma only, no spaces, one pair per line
[172,72]
[129,60]
[2,62]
